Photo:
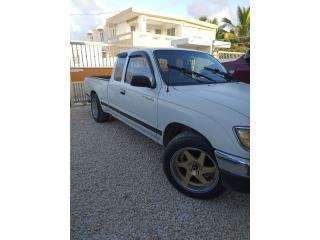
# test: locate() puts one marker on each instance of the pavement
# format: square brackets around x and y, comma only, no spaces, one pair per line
[119,191]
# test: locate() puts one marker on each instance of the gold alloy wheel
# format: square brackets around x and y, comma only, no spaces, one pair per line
[194,170]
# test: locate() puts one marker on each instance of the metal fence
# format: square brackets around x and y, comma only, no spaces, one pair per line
[77,93]
[94,54]
[102,55]
[225,56]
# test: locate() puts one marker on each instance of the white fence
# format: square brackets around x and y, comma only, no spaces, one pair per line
[94,54]
[101,55]
[77,93]
[225,56]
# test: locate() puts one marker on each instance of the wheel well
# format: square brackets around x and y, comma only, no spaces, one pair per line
[173,129]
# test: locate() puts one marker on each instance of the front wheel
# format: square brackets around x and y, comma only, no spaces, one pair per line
[190,165]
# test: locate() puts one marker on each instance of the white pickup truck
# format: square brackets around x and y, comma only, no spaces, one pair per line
[186,101]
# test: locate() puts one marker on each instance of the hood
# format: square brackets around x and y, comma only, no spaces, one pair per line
[235,95]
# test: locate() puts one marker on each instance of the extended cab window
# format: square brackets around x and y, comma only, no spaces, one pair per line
[118,70]
[138,65]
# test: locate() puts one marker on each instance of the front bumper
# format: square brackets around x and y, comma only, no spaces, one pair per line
[235,171]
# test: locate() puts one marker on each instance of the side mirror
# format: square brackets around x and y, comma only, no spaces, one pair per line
[140,81]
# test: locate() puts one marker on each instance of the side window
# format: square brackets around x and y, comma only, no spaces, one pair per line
[138,65]
[118,70]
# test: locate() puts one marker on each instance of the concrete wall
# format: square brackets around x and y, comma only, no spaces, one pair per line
[122,28]
[78,74]
[151,40]
[188,31]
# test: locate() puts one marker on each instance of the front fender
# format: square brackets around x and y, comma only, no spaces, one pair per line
[218,130]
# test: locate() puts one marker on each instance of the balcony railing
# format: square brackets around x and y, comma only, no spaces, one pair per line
[144,39]
[225,56]
[120,37]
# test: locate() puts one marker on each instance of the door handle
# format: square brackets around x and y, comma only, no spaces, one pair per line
[123,92]
[148,98]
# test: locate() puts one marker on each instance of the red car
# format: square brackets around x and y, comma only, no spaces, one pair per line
[240,68]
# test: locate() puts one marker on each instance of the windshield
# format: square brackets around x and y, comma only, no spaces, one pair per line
[169,62]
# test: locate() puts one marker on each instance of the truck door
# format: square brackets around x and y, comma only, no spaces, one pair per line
[140,103]
[116,85]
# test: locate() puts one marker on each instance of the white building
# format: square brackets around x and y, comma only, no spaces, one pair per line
[96,35]
[141,28]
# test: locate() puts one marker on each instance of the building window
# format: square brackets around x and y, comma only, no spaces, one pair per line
[91,38]
[171,32]
[158,31]
[101,37]
[133,28]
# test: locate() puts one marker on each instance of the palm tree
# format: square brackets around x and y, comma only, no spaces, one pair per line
[214,21]
[241,30]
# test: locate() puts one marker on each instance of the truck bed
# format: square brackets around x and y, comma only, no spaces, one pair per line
[98,84]
[105,78]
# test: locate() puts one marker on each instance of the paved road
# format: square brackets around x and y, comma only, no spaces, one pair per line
[119,191]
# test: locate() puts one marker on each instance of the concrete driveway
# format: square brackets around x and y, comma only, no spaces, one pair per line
[119,191]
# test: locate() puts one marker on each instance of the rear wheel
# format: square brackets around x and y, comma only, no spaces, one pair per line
[190,166]
[96,110]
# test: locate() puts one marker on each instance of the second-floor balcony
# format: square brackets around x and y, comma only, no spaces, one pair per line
[136,38]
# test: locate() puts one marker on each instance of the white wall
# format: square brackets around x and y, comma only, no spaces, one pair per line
[88,38]
[151,40]
[187,31]
[179,30]
[105,33]
[122,28]
[142,23]
[96,37]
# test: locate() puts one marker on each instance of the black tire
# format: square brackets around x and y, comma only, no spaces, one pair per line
[96,110]
[185,140]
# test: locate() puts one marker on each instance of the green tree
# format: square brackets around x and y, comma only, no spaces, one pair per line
[203,18]
[214,21]
[238,35]
[242,30]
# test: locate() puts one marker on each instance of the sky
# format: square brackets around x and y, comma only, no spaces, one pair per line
[81,24]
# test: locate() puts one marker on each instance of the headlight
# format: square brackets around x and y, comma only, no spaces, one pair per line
[243,135]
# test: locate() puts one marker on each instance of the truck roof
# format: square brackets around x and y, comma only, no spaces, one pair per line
[150,50]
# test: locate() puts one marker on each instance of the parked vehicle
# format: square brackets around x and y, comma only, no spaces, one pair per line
[186,101]
[240,68]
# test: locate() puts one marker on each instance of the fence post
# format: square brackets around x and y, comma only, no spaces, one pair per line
[71,94]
